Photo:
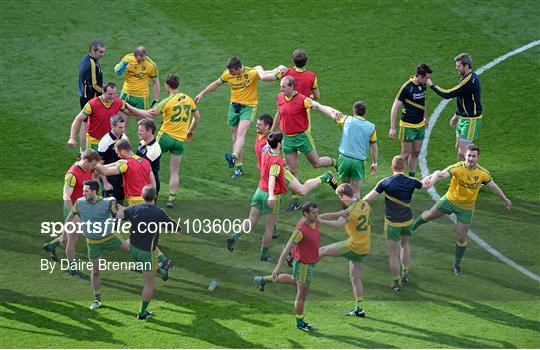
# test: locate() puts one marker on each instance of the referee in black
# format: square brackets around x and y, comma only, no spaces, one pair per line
[90,81]
[145,226]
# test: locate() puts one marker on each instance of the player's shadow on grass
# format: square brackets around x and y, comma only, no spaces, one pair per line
[205,314]
[429,335]
[34,315]
[483,311]
[357,342]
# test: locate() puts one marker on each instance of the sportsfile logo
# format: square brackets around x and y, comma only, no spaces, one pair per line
[108,226]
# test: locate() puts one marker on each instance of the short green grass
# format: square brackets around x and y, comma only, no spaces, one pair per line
[360,50]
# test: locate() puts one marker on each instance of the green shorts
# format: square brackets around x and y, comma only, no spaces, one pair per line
[170,144]
[350,168]
[92,142]
[260,202]
[463,215]
[147,258]
[303,272]
[95,249]
[135,101]
[468,128]
[302,142]
[394,233]
[408,135]
[350,255]
[239,112]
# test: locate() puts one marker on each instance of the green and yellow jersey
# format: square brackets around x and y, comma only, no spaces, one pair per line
[177,110]
[138,75]
[244,88]
[358,227]
[465,184]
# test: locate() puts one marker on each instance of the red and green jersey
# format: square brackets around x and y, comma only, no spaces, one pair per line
[75,178]
[261,147]
[307,239]
[293,113]
[273,165]
[305,81]
[99,112]
[136,173]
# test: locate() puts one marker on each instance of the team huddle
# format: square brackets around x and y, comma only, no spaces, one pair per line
[114,180]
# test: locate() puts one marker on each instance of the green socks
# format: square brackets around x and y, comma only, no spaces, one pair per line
[144,305]
[161,258]
[412,173]
[97,296]
[358,305]
[172,197]
[419,221]
[404,272]
[264,252]
[299,320]
[324,178]
[236,235]
[160,272]
[460,251]
[53,245]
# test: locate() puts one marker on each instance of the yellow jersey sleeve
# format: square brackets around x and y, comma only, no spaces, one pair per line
[373,137]
[122,167]
[451,169]
[341,120]
[275,169]
[152,68]
[297,236]
[70,180]
[114,206]
[315,84]
[75,209]
[224,77]
[308,103]
[87,109]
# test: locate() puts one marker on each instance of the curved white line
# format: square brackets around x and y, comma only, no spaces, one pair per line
[425,170]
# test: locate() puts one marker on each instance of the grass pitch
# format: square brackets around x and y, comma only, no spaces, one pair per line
[360,50]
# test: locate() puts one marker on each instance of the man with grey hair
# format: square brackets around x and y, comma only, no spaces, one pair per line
[468,116]
[112,185]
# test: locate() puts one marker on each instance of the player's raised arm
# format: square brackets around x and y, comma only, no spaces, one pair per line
[340,222]
[211,87]
[459,89]
[110,169]
[393,118]
[371,195]
[142,113]
[430,180]
[327,110]
[497,190]
[267,75]
[120,68]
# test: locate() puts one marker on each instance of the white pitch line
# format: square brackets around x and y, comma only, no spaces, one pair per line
[425,170]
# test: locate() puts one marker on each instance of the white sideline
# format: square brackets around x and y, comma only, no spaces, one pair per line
[425,170]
